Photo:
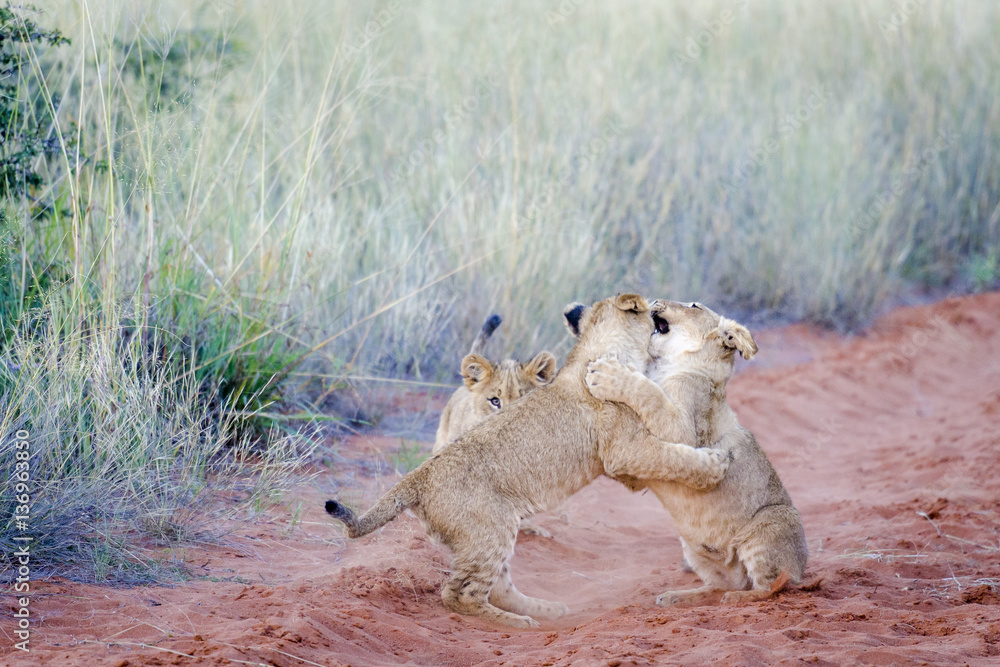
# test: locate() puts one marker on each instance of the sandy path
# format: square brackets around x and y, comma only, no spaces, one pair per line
[867,434]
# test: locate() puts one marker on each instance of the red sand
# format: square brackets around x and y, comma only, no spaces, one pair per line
[887,442]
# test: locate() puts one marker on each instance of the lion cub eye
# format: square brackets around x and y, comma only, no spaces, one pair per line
[495,402]
[694,305]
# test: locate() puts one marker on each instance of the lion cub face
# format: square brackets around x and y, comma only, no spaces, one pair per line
[690,336]
[495,385]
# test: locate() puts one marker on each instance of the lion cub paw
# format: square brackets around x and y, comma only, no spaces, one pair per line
[550,610]
[607,379]
[693,595]
[715,464]
[528,528]
[524,622]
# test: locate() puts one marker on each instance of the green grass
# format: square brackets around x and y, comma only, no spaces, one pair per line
[124,454]
[409,457]
[254,198]
[984,270]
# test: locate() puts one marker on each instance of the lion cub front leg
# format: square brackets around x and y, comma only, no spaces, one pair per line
[609,380]
[651,458]
[655,456]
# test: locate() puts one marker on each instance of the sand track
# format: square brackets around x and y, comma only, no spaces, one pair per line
[889,444]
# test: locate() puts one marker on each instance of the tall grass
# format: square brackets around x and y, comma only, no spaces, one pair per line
[122,451]
[256,189]
[306,166]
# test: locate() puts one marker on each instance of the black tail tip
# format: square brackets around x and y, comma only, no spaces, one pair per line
[491,324]
[339,510]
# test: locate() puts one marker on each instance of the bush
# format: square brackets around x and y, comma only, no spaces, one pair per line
[136,406]
[123,453]
[27,130]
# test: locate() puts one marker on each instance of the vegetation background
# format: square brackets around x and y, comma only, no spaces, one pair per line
[217,212]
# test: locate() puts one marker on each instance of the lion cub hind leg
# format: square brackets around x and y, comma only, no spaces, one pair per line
[468,591]
[478,567]
[505,596]
[772,547]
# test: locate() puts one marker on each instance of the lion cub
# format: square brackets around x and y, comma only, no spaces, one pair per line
[744,535]
[489,387]
[530,457]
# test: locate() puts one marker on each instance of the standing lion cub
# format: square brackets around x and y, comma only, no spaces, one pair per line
[743,536]
[488,388]
[530,457]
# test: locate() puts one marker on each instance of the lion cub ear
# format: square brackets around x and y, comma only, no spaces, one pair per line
[476,369]
[631,303]
[540,370]
[734,335]
[573,313]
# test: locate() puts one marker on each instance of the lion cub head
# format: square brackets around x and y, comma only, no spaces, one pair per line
[489,386]
[493,386]
[690,336]
[618,327]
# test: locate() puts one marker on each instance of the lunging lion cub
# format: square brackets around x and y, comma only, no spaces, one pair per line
[530,457]
[489,387]
[743,536]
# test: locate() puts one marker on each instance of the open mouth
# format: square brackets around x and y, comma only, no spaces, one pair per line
[662,326]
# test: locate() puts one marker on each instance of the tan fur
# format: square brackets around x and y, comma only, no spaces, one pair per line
[530,457]
[743,536]
[488,388]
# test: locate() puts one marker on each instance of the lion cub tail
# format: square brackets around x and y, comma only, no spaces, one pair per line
[489,327]
[389,506]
